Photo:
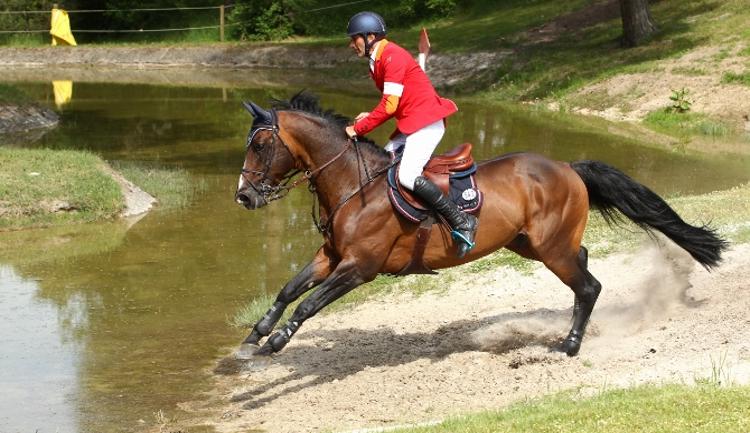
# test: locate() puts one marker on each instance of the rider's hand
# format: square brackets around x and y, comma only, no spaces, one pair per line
[350,132]
[361,116]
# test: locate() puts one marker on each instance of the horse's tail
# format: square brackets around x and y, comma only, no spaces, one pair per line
[610,189]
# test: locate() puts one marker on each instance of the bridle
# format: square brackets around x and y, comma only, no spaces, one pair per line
[271,192]
[264,188]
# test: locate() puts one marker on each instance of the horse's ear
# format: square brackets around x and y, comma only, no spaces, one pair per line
[258,113]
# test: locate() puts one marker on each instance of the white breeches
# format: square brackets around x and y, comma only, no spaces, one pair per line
[418,148]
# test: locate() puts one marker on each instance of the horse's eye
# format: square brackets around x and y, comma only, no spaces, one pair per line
[257,147]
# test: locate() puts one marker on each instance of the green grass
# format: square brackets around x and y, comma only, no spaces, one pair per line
[40,188]
[33,183]
[650,408]
[732,78]
[486,25]
[684,124]
[689,71]
[173,187]
[503,258]
[581,56]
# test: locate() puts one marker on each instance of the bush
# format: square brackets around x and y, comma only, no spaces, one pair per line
[261,20]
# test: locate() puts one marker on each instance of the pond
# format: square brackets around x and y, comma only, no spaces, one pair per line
[105,325]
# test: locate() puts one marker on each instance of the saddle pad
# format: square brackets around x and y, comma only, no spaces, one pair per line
[463,191]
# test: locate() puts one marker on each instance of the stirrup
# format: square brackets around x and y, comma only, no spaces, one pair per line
[455,234]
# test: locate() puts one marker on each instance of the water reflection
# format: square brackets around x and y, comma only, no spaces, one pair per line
[39,360]
[140,311]
[156,296]
[63,91]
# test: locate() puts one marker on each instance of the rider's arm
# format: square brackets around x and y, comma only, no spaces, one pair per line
[393,88]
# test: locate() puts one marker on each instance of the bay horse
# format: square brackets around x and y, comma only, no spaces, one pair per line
[533,206]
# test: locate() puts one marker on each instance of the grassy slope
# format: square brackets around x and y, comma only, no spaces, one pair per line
[578,57]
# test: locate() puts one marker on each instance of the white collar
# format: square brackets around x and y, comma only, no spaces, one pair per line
[374,51]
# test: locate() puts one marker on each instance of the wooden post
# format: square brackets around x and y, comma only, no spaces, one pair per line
[221,22]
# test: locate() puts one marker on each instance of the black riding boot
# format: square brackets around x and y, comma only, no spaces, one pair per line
[464,225]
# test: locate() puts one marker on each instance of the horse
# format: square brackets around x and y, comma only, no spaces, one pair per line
[533,206]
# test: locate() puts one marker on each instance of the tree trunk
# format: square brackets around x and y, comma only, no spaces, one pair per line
[637,23]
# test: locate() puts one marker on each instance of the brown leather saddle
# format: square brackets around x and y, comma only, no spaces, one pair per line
[438,170]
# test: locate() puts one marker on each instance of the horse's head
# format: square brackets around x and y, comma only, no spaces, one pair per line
[268,162]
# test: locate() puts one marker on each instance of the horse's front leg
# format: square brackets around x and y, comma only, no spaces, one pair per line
[316,271]
[344,278]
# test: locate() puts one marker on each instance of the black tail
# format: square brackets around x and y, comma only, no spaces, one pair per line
[610,189]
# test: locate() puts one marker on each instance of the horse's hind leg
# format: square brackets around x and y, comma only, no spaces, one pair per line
[573,271]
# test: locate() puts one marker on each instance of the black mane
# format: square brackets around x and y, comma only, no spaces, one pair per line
[309,103]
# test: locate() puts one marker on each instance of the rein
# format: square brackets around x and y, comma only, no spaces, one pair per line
[324,227]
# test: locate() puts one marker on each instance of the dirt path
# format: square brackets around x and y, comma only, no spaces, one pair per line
[486,343]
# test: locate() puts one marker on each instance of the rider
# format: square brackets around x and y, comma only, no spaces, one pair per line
[409,96]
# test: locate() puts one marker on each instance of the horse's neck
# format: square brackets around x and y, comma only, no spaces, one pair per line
[343,176]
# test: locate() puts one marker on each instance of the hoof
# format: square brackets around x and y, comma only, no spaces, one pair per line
[570,347]
[246,351]
[265,351]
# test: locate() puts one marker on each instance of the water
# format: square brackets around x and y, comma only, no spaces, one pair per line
[106,324]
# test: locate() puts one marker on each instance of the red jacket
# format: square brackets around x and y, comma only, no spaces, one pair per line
[408,94]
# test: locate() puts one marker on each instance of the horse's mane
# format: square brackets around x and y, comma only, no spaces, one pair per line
[309,103]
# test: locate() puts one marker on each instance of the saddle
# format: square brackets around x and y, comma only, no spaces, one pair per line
[453,172]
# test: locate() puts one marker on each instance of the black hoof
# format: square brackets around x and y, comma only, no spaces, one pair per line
[265,350]
[570,346]
[254,338]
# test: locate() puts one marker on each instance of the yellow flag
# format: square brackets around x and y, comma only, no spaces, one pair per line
[60,28]
[63,91]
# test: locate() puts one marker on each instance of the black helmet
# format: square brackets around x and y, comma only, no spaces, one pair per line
[365,23]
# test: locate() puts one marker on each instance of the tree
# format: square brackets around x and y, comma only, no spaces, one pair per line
[637,24]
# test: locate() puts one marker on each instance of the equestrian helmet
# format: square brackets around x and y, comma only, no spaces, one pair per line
[365,23]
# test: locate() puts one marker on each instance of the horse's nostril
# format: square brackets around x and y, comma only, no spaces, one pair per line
[242,198]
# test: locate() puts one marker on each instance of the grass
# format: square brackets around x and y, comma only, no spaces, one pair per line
[487,25]
[650,408]
[733,78]
[174,187]
[41,188]
[683,124]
